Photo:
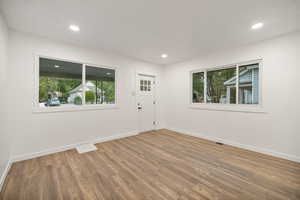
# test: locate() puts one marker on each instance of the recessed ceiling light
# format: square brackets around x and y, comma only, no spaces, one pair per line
[56,66]
[74,28]
[257,26]
[164,55]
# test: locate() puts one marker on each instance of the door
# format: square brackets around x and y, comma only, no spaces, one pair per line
[146,102]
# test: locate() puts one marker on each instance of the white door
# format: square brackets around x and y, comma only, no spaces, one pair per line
[146,102]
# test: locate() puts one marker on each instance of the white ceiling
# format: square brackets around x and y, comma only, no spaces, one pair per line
[145,29]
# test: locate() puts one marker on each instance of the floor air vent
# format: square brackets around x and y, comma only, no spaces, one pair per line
[86,148]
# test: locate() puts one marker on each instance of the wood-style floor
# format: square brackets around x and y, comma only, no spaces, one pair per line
[153,166]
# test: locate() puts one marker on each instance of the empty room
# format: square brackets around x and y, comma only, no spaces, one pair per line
[149,100]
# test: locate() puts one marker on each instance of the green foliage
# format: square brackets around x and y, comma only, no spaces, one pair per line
[43,89]
[78,100]
[48,85]
[109,91]
[90,97]
[198,87]
[215,83]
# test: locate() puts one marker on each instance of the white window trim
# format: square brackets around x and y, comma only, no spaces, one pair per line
[253,108]
[83,107]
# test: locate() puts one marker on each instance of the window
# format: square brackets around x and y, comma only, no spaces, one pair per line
[248,84]
[65,84]
[100,85]
[217,90]
[145,85]
[198,87]
[236,84]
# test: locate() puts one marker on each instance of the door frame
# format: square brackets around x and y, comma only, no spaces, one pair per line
[137,88]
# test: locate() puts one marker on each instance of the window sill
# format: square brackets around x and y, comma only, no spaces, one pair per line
[74,108]
[229,108]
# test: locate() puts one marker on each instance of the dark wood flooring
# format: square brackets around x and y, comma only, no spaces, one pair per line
[152,166]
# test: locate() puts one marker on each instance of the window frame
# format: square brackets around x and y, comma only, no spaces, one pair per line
[71,108]
[236,107]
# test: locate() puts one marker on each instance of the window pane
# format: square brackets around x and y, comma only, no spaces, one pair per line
[248,84]
[100,85]
[145,86]
[198,87]
[221,86]
[58,82]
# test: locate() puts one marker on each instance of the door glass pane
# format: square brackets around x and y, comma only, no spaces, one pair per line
[220,86]
[198,87]
[58,81]
[145,86]
[100,85]
[249,84]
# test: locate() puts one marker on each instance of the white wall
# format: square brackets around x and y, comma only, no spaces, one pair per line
[277,131]
[34,132]
[4,139]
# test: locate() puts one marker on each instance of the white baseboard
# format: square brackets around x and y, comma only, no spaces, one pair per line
[243,146]
[70,146]
[5,173]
